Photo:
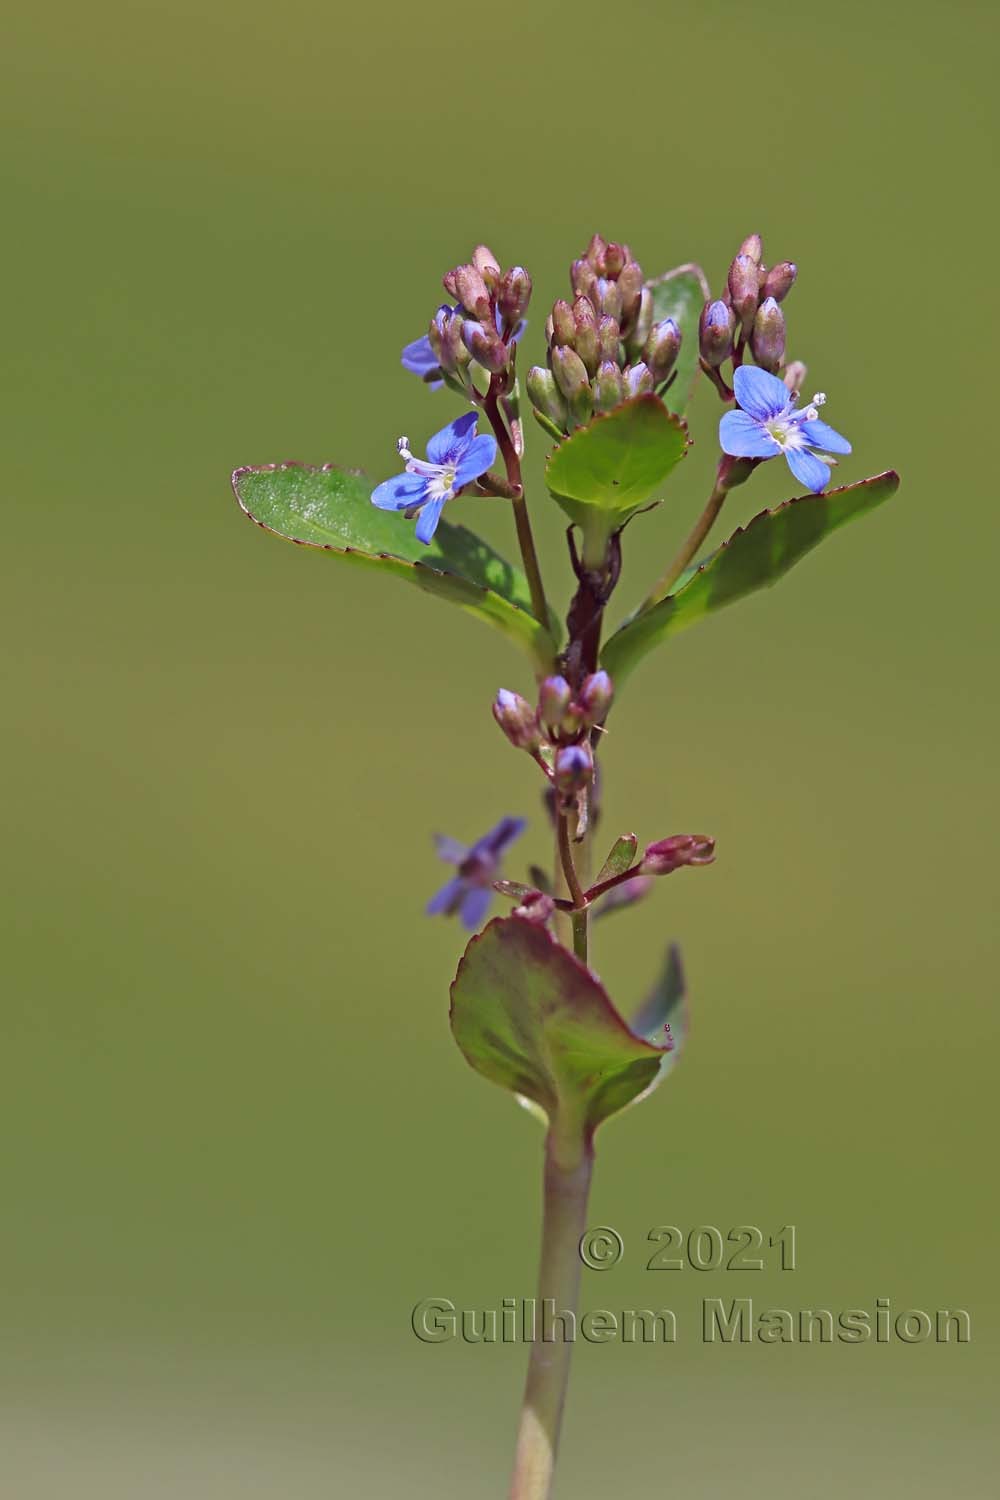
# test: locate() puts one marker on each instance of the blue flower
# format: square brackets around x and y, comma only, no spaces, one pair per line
[455,457]
[470,892]
[769,424]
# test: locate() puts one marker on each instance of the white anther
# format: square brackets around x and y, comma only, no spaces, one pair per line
[819,399]
[403,448]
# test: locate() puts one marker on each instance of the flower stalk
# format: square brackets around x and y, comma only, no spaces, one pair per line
[569,1160]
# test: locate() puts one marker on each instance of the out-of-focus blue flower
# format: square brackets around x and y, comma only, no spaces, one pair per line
[769,424]
[469,893]
[455,457]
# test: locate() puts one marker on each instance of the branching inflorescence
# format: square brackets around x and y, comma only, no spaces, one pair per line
[622,355]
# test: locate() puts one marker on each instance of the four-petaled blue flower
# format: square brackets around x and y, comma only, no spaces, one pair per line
[769,424]
[455,457]
[470,892]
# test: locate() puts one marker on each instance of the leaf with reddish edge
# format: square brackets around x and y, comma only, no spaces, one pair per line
[681,294]
[621,857]
[529,1016]
[330,509]
[754,557]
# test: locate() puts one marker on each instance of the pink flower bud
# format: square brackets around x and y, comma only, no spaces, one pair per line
[671,854]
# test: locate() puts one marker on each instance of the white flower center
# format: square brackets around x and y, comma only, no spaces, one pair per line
[440,477]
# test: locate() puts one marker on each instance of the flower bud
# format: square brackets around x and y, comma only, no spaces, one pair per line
[753,247]
[545,396]
[583,278]
[536,906]
[609,298]
[518,720]
[514,294]
[563,324]
[662,348]
[485,346]
[487,265]
[768,338]
[596,251]
[595,697]
[794,376]
[608,386]
[608,339]
[744,289]
[615,259]
[715,333]
[570,372]
[638,380]
[470,289]
[670,854]
[574,767]
[643,325]
[630,289]
[780,279]
[554,698]
[585,319]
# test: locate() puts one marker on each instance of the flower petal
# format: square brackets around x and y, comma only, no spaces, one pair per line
[760,394]
[505,832]
[449,850]
[475,905]
[400,492]
[443,446]
[428,519]
[819,435]
[419,358]
[808,469]
[447,900]
[742,436]
[477,458]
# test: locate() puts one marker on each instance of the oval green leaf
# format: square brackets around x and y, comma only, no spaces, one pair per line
[618,461]
[532,1018]
[330,509]
[621,857]
[681,294]
[754,557]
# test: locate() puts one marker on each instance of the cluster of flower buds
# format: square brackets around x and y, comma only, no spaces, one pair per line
[557,732]
[484,325]
[603,347]
[747,317]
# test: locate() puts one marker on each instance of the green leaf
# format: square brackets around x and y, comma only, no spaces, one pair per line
[663,1016]
[330,509]
[609,469]
[681,294]
[532,1018]
[754,557]
[620,858]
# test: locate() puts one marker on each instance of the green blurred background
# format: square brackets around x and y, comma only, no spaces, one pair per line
[239,1142]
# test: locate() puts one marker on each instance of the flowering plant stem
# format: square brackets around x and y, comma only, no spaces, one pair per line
[522,521]
[579,914]
[692,543]
[569,1162]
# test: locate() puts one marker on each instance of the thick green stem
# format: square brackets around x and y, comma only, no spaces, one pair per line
[568,1166]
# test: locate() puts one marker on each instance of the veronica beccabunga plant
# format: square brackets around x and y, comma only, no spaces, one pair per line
[622,354]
